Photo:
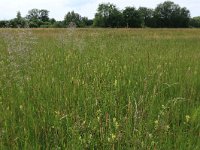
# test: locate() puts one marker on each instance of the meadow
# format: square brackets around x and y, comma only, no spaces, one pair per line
[100,89]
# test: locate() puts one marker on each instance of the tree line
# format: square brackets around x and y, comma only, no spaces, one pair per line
[165,15]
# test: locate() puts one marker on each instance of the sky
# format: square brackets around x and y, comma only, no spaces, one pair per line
[58,8]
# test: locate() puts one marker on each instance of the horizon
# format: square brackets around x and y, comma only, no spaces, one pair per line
[59,8]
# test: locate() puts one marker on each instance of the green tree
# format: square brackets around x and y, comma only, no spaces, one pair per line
[147,17]
[59,24]
[85,22]
[52,21]
[132,17]
[18,22]
[44,15]
[108,16]
[33,14]
[195,22]
[72,17]
[4,24]
[37,18]
[169,14]
[33,18]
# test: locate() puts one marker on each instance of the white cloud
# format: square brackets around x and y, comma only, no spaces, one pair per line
[58,8]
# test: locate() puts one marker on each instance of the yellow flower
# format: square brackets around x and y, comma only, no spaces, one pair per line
[21,107]
[150,135]
[187,117]
[108,139]
[115,82]
[116,125]
[167,127]
[113,136]
[156,122]
[98,118]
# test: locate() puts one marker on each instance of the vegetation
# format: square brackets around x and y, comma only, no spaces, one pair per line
[108,16]
[169,15]
[165,15]
[99,89]
[195,22]
[79,21]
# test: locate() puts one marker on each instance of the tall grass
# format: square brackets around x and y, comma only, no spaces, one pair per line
[99,89]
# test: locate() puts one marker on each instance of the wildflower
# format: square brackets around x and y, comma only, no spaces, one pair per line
[129,82]
[21,107]
[115,83]
[90,136]
[113,136]
[98,118]
[98,112]
[187,117]
[156,122]
[167,127]
[83,122]
[115,123]
[108,139]
[159,66]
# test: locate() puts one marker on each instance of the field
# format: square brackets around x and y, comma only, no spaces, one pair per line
[100,89]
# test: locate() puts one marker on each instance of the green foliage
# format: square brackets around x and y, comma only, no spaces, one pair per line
[147,17]
[4,24]
[72,17]
[76,19]
[169,14]
[195,22]
[85,22]
[52,20]
[37,18]
[59,24]
[18,22]
[108,16]
[165,15]
[99,89]
[44,15]
[132,17]
[33,14]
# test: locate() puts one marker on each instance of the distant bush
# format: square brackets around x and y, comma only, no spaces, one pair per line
[195,22]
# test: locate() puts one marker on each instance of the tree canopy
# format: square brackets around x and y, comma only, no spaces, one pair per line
[132,17]
[108,15]
[195,22]
[169,14]
[147,17]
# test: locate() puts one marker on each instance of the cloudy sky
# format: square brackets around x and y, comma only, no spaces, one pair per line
[58,8]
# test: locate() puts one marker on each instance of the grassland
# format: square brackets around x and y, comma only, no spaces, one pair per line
[100,89]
